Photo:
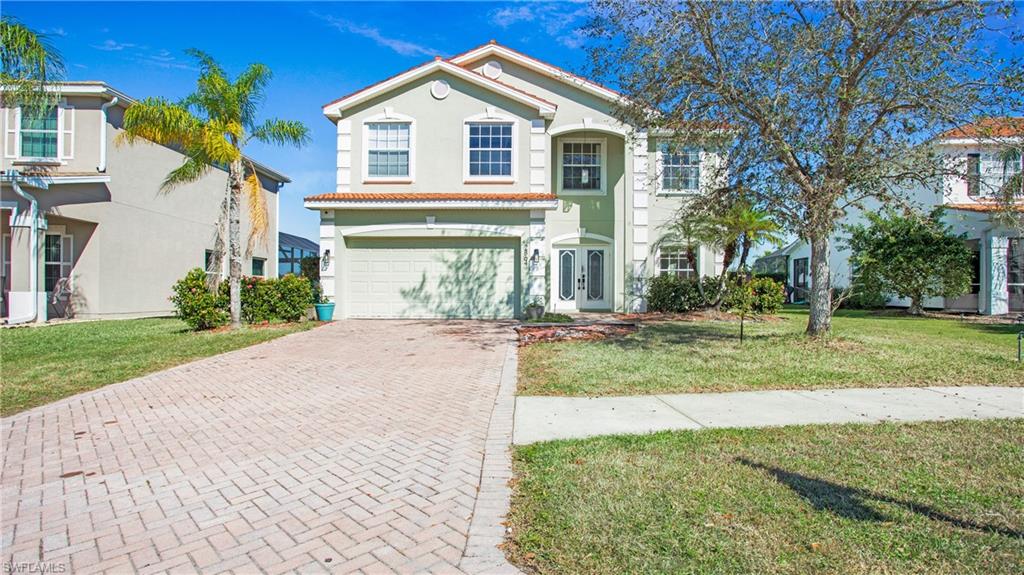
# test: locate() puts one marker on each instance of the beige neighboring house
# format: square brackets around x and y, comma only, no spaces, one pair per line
[984,153]
[475,185]
[86,231]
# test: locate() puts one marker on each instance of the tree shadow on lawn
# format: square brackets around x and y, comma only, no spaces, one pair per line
[851,502]
[684,333]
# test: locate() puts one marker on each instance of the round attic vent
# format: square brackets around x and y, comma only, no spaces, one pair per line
[492,69]
[440,89]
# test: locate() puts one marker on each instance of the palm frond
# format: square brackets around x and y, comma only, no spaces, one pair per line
[29,61]
[259,218]
[207,65]
[249,91]
[191,170]
[281,132]
[160,121]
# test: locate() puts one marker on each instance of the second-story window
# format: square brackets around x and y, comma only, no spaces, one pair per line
[680,168]
[490,149]
[997,169]
[388,148]
[38,133]
[582,166]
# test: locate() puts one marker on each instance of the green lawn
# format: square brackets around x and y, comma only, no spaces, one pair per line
[894,498]
[866,350]
[43,364]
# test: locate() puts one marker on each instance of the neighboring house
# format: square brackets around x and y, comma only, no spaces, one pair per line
[475,185]
[290,251]
[104,242]
[979,151]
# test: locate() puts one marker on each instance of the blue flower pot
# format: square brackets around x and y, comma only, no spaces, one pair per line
[324,311]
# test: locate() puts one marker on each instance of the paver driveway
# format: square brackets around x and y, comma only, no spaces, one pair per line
[357,445]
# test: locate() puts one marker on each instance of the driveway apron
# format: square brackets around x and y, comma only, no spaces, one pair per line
[354,446]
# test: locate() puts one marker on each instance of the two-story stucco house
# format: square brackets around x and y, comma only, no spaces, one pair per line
[981,157]
[86,231]
[476,185]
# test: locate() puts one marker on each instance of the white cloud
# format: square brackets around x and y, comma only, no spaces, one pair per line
[399,46]
[558,20]
[55,32]
[508,16]
[113,46]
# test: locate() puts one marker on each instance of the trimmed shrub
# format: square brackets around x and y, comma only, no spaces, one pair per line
[258,296]
[767,295]
[195,304]
[671,294]
[294,295]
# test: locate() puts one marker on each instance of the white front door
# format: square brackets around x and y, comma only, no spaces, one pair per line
[581,278]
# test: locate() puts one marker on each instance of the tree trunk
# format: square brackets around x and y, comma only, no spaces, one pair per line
[235,179]
[916,307]
[745,246]
[728,254]
[820,320]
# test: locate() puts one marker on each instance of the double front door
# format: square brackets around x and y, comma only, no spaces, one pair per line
[581,278]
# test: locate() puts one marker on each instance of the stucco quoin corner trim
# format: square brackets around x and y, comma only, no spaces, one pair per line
[545,108]
[451,201]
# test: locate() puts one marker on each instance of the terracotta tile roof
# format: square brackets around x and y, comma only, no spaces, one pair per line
[420,197]
[987,128]
[986,207]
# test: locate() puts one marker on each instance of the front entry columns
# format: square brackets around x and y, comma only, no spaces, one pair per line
[637,145]
[328,257]
[536,258]
[995,263]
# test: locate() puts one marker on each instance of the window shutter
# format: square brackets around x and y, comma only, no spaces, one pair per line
[67,131]
[11,121]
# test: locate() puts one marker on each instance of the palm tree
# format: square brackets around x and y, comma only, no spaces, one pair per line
[757,227]
[29,62]
[211,127]
[736,230]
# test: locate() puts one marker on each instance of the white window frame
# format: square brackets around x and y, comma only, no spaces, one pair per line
[603,190]
[253,260]
[389,116]
[67,260]
[490,117]
[660,172]
[65,118]
[696,253]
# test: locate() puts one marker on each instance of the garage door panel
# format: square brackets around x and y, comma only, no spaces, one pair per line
[432,278]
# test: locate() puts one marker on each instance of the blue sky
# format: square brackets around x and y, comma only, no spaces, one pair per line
[317,51]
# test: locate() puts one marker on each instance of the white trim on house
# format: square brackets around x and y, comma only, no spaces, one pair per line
[490,230]
[576,236]
[603,190]
[537,66]
[336,109]
[491,116]
[588,125]
[389,117]
[432,205]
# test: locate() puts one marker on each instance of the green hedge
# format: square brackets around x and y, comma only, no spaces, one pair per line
[263,300]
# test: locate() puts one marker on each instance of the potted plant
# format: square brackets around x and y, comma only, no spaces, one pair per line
[535,309]
[324,310]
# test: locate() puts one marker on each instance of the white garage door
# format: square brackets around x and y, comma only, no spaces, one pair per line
[431,278]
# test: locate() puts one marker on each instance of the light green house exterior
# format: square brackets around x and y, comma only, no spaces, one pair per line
[440,237]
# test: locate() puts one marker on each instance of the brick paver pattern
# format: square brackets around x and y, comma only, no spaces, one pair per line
[353,447]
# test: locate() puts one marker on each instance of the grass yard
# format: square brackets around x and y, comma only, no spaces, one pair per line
[866,350]
[894,498]
[44,364]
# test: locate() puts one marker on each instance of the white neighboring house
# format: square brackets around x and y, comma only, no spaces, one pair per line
[978,150]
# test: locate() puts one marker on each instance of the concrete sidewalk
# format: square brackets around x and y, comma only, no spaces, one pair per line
[546,418]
